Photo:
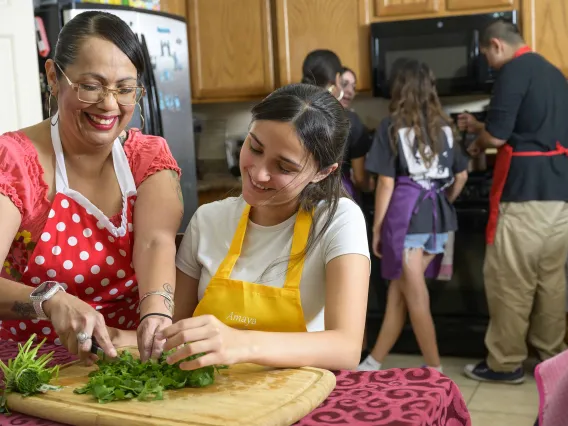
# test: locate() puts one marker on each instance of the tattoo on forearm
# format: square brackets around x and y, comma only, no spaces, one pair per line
[177,186]
[168,289]
[24,310]
[169,306]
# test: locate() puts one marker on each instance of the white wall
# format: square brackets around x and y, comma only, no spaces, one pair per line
[21,98]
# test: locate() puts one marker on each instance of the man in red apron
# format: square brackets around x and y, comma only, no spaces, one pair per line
[527,230]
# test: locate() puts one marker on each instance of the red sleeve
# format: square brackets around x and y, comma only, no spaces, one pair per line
[148,155]
[20,172]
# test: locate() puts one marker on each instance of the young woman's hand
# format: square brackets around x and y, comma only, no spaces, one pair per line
[377,241]
[220,343]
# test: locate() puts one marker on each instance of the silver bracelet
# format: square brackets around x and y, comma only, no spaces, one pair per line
[165,295]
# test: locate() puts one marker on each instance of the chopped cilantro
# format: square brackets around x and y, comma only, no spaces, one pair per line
[129,378]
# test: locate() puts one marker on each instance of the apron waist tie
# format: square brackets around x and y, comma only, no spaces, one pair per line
[560,150]
[432,194]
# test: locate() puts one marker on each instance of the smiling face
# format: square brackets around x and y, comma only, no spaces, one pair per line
[275,166]
[348,84]
[98,62]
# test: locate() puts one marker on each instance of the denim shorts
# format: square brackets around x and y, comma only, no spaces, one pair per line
[426,242]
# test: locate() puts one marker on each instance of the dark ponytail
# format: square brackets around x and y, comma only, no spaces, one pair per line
[320,68]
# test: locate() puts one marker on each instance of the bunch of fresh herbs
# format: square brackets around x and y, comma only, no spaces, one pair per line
[27,374]
[129,378]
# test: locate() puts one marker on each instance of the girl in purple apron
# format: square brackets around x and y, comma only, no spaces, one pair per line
[421,172]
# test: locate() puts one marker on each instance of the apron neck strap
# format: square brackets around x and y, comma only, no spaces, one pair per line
[230,260]
[121,165]
[299,241]
[61,181]
[522,51]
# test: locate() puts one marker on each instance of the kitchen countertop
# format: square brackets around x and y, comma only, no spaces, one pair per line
[386,397]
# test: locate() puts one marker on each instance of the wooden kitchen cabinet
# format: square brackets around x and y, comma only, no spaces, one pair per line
[404,7]
[477,4]
[337,25]
[230,49]
[545,29]
[395,10]
[175,7]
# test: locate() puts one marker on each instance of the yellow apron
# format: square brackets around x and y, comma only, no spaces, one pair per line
[252,306]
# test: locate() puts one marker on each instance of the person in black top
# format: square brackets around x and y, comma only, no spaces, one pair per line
[349,86]
[323,68]
[527,231]
[421,171]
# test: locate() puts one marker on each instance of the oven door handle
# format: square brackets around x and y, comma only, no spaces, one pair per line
[474,54]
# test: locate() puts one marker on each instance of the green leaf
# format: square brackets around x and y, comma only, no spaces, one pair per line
[129,378]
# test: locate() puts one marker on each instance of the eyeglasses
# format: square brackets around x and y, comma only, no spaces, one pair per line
[96,93]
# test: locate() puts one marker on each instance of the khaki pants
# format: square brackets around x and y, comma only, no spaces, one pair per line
[525,282]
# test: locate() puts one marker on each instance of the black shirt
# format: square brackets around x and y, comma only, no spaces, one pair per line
[529,109]
[408,162]
[358,142]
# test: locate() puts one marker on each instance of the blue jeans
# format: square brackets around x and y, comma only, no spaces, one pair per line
[426,242]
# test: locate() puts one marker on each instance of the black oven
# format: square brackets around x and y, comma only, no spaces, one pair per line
[450,47]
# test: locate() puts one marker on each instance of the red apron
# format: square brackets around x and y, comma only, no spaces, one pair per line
[501,170]
[81,249]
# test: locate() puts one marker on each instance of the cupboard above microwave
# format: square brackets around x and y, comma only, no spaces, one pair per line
[450,47]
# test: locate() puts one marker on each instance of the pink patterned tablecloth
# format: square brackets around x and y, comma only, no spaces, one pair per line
[396,397]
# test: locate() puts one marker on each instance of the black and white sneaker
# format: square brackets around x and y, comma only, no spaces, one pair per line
[482,373]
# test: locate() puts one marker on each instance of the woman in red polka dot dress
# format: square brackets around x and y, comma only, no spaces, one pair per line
[75,190]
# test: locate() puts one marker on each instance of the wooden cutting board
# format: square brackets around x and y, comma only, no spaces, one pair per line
[244,394]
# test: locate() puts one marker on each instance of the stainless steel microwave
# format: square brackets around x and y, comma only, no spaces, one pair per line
[450,46]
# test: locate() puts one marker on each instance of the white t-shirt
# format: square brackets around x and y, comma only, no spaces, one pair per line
[211,230]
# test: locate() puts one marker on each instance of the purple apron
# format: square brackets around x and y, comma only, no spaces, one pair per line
[405,200]
[350,187]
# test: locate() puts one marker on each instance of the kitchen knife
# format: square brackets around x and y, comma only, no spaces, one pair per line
[98,351]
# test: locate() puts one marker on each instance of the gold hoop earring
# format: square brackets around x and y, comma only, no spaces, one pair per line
[49,101]
[51,95]
[141,116]
[332,88]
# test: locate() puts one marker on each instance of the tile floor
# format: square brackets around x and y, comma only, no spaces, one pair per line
[489,404]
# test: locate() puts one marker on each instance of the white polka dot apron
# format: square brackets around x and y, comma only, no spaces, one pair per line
[81,249]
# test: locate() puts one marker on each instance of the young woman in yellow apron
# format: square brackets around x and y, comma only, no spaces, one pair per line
[278,276]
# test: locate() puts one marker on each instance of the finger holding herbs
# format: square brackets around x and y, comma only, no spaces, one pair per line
[207,335]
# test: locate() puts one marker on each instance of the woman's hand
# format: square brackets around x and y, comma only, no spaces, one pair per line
[377,241]
[220,343]
[469,123]
[69,316]
[148,345]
